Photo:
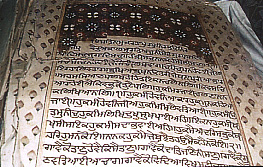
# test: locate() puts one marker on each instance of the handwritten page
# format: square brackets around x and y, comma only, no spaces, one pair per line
[135,101]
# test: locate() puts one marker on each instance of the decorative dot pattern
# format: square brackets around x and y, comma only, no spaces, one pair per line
[242,78]
[30,74]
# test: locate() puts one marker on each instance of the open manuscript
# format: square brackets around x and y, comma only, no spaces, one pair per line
[138,84]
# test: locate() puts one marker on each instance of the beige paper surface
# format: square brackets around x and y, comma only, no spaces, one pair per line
[131,101]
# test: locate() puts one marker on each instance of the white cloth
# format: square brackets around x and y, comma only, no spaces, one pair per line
[241,24]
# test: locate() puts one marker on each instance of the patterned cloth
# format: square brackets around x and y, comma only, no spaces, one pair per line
[85,22]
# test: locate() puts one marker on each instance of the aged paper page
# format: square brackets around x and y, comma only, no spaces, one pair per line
[126,100]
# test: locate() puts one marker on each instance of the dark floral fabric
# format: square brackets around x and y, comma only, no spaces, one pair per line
[82,22]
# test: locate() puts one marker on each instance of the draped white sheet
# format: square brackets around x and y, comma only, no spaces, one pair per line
[241,24]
